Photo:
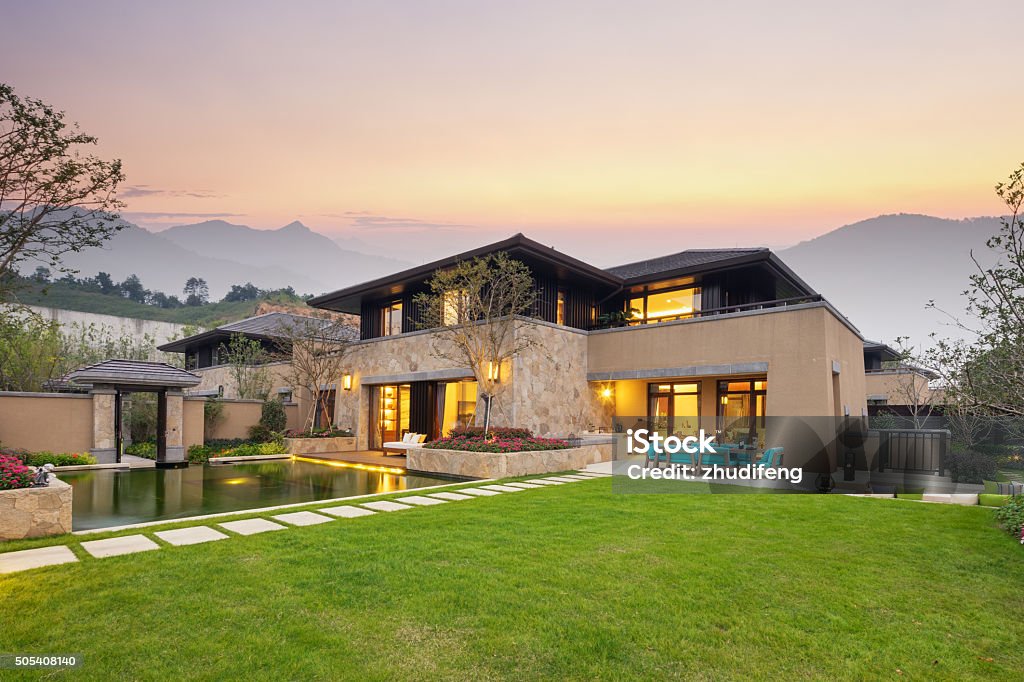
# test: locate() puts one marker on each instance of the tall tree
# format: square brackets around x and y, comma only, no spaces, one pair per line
[55,198]
[986,373]
[473,306]
[196,292]
[132,289]
[314,351]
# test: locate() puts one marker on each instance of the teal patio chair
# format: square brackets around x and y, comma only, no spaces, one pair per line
[771,458]
[681,458]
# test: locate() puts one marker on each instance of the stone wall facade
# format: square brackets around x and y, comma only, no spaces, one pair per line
[319,446]
[503,465]
[35,512]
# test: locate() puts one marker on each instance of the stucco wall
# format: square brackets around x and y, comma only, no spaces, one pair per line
[798,345]
[59,422]
[898,386]
[193,419]
[236,419]
[213,377]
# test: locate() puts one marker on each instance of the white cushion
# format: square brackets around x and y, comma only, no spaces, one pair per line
[406,437]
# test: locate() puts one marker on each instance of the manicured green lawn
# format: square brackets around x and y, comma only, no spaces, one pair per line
[566,582]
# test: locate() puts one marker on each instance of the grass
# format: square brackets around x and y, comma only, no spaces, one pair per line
[568,582]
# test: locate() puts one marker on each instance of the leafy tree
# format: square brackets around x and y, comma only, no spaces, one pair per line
[247,364]
[132,289]
[56,197]
[42,274]
[243,292]
[30,350]
[473,306]
[196,292]
[314,351]
[986,373]
[105,283]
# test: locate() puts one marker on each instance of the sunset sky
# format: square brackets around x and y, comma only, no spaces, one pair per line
[592,126]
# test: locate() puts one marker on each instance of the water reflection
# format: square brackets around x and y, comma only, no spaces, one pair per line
[104,498]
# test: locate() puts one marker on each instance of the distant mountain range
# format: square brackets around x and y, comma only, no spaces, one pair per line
[225,254]
[882,272]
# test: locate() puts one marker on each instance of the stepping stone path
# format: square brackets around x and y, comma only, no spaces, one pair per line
[303,518]
[420,501]
[251,526]
[190,536]
[479,492]
[501,488]
[386,505]
[454,497]
[127,544]
[347,511]
[34,558]
[130,544]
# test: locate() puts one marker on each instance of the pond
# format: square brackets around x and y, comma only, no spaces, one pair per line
[108,497]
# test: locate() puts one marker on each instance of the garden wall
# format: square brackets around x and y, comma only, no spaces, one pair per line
[35,512]
[501,465]
[60,422]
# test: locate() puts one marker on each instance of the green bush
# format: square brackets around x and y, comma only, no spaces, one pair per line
[146,449]
[273,416]
[969,466]
[198,454]
[991,500]
[59,459]
[1011,515]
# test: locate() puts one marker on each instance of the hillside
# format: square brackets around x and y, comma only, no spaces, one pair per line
[882,272]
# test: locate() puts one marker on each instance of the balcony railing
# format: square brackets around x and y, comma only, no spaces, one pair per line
[744,307]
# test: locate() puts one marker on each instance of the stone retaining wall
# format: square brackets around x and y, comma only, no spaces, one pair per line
[502,465]
[35,512]
[318,446]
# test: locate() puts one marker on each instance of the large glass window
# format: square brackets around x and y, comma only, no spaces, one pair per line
[391,319]
[741,411]
[560,312]
[674,407]
[456,405]
[393,412]
[664,306]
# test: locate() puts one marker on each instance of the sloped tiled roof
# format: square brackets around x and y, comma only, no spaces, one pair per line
[690,258]
[134,373]
[267,325]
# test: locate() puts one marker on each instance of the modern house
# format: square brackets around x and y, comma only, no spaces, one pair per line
[206,353]
[894,385]
[723,339]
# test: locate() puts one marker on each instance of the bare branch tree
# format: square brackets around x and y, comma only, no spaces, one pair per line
[247,364]
[473,306]
[315,351]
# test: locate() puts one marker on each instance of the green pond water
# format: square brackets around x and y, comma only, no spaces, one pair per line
[104,498]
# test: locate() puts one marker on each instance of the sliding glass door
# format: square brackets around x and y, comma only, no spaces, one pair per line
[741,411]
[674,408]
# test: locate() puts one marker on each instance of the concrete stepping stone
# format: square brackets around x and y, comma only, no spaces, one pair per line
[544,481]
[562,479]
[576,477]
[251,526]
[454,497]
[126,544]
[35,558]
[347,511]
[479,492]
[420,501]
[190,536]
[303,518]
[591,474]
[502,488]
[523,486]
[970,499]
[386,505]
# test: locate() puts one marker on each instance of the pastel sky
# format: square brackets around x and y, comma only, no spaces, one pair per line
[595,126]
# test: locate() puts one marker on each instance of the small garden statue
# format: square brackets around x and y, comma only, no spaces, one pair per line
[42,477]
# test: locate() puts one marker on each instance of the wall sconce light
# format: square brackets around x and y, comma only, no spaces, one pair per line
[346,381]
[607,392]
[494,371]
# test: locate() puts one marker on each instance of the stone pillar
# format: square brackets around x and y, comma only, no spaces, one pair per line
[103,442]
[174,450]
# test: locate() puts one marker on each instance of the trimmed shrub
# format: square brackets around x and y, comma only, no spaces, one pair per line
[992,500]
[146,449]
[319,433]
[969,466]
[14,474]
[58,459]
[495,432]
[1011,516]
[272,416]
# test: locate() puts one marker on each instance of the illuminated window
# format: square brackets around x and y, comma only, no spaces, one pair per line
[391,319]
[674,408]
[560,313]
[741,410]
[454,307]
[665,306]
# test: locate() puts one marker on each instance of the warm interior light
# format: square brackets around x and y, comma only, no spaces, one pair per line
[606,393]
[350,465]
[493,371]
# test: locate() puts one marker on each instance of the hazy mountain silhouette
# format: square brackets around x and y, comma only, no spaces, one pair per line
[882,272]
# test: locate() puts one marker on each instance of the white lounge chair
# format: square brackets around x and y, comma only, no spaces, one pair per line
[410,441]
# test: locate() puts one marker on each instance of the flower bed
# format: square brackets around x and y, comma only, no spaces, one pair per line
[497,443]
[484,464]
[14,474]
[57,459]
